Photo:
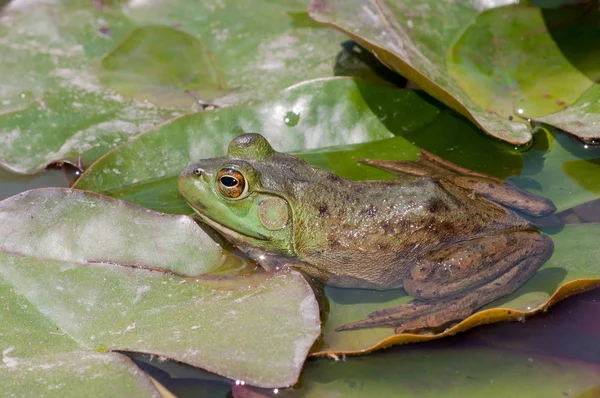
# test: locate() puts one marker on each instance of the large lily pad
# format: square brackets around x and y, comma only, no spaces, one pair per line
[77,266]
[494,71]
[78,79]
[305,116]
[52,107]
[449,372]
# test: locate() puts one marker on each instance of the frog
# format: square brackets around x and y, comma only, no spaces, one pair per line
[453,239]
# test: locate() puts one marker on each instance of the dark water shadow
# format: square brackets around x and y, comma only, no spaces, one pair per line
[575,29]
[355,60]
[181,379]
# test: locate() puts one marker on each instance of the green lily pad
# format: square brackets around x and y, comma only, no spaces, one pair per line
[505,78]
[80,268]
[163,65]
[52,107]
[307,115]
[154,64]
[72,374]
[451,372]
[494,71]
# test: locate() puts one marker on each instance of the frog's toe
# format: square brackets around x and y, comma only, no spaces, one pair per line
[434,322]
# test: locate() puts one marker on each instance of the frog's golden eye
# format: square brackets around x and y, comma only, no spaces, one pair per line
[232,183]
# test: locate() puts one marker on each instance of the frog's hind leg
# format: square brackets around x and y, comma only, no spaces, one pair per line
[427,165]
[487,186]
[463,278]
[421,167]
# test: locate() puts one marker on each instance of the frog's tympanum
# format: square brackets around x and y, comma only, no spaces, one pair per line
[440,232]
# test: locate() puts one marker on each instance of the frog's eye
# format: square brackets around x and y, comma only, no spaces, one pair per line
[232,183]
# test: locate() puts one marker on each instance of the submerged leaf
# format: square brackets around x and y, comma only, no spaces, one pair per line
[65,262]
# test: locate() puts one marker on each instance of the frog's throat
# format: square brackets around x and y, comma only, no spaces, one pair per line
[227,232]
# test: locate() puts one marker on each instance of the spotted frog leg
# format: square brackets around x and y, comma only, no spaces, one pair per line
[491,188]
[445,290]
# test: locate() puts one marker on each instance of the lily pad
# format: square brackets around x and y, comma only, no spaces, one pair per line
[79,268]
[449,372]
[76,373]
[52,107]
[304,116]
[77,80]
[163,65]
[494,70]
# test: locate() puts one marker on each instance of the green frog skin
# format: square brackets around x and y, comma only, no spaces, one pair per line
[441,232]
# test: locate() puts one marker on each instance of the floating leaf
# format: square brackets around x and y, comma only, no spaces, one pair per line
[78,265]
[163,65]
[308,115]
[494,71]
[449,372]
[54,108]
[75,373]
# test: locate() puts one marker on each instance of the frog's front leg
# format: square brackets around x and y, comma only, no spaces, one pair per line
[489,187]
[453,283]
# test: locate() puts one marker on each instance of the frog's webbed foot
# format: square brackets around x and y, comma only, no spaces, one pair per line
[487,186]
[462,279]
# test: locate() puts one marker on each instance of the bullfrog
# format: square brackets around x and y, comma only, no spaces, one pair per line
[445,234]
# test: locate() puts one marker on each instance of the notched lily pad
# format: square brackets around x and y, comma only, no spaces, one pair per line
[64,290]
[494,72]
[163,65]
[509,77]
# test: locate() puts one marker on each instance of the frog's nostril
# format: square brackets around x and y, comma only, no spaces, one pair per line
[198,171]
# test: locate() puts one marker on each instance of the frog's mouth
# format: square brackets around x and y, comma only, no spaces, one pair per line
[226,231]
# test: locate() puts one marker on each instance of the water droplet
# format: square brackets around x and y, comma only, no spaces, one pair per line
[523,148]
[291,118]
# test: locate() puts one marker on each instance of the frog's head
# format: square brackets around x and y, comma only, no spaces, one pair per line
[246,195]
